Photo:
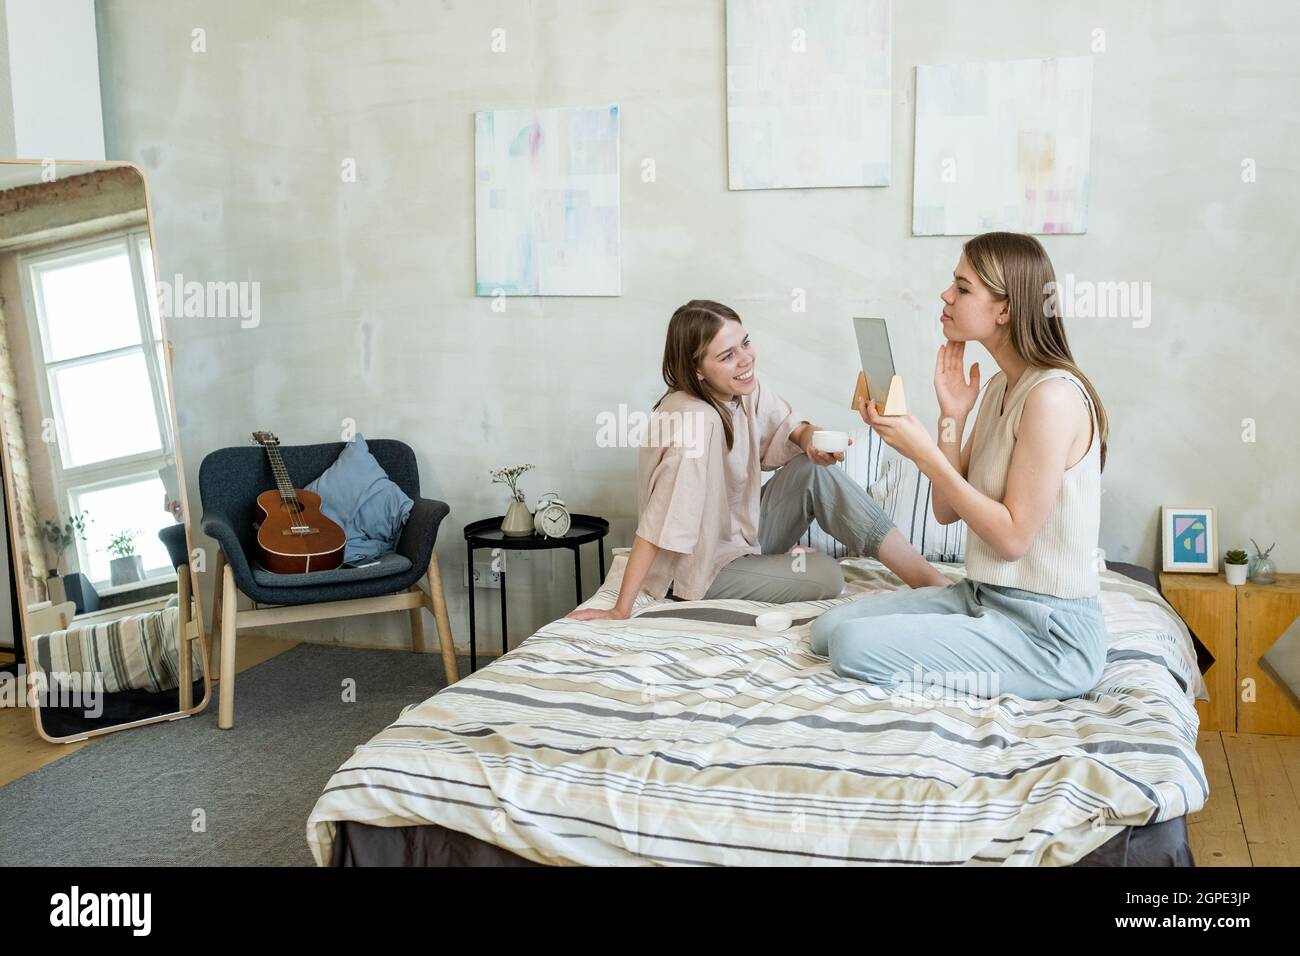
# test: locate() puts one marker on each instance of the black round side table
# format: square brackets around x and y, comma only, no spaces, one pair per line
[487,533]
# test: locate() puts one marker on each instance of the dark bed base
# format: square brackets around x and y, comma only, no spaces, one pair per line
[360,844]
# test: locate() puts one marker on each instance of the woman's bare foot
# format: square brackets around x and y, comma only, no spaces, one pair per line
[897,554]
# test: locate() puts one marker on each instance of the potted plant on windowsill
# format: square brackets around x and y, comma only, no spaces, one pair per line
[58,538]
[125,567]
[1235,563]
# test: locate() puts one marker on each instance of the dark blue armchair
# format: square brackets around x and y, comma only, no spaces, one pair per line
[230,480]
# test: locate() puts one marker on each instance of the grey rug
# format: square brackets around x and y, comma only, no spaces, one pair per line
[130,799]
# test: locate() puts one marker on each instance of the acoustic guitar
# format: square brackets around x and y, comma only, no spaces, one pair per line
[294,537]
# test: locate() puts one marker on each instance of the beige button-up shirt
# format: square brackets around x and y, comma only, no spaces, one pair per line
[697,501]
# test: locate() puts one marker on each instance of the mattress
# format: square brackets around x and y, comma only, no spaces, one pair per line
[685,735]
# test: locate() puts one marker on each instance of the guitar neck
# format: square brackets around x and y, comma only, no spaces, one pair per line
[282,483]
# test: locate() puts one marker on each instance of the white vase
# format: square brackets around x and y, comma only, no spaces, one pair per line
[126,570]
[1236,573]
[518,522]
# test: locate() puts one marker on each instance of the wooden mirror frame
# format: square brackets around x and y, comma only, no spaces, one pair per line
[186,586]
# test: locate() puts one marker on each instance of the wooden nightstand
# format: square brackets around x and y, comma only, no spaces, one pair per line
[1208,604]
[1237,625]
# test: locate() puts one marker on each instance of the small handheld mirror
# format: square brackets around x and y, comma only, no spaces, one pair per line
[877,380]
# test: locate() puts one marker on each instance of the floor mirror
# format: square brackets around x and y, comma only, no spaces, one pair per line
[98,520]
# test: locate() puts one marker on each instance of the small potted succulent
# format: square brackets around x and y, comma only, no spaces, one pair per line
[125,567]
[1235,564]
[518,521]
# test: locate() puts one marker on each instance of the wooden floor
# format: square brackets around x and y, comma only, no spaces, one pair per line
[1253,815]
[1251,819]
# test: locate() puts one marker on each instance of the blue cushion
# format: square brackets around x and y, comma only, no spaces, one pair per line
[391,563]
[358,495]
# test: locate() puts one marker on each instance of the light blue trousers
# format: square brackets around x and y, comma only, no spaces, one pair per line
[968,637]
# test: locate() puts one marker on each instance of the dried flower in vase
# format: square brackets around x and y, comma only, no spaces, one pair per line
[510,476]
[1262,569]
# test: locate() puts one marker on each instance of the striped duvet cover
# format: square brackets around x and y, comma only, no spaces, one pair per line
[668,739]
[136,652]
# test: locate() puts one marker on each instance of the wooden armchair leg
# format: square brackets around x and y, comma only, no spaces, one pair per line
[214,632]
[438,605]
[184,653]
[226,705]
[417,627]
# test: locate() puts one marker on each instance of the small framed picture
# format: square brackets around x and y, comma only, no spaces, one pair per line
[1191,539]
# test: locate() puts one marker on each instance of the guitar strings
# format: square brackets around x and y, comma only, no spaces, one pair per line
[295,506]
[289,503]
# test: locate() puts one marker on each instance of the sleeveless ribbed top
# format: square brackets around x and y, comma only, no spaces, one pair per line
[1060,561]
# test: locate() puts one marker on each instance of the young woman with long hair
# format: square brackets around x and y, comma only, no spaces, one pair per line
[1027,482]
[707,527]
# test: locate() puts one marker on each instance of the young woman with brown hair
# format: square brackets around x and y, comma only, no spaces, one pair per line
[706,529]
[1026,620]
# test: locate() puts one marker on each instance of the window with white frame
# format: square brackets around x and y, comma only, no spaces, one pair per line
[98,342]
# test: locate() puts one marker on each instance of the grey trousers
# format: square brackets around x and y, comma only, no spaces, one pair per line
[797,493]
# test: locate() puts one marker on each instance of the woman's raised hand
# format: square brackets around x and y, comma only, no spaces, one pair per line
[956,395]
[903,433]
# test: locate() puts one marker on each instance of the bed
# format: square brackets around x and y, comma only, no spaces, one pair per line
[128,653]
[686,735]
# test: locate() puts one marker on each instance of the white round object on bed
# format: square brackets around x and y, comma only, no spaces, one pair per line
[773,621]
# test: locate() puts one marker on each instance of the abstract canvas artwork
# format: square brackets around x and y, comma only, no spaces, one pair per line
[1002,146]
[808,93]
[546,202]
[1189,539]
